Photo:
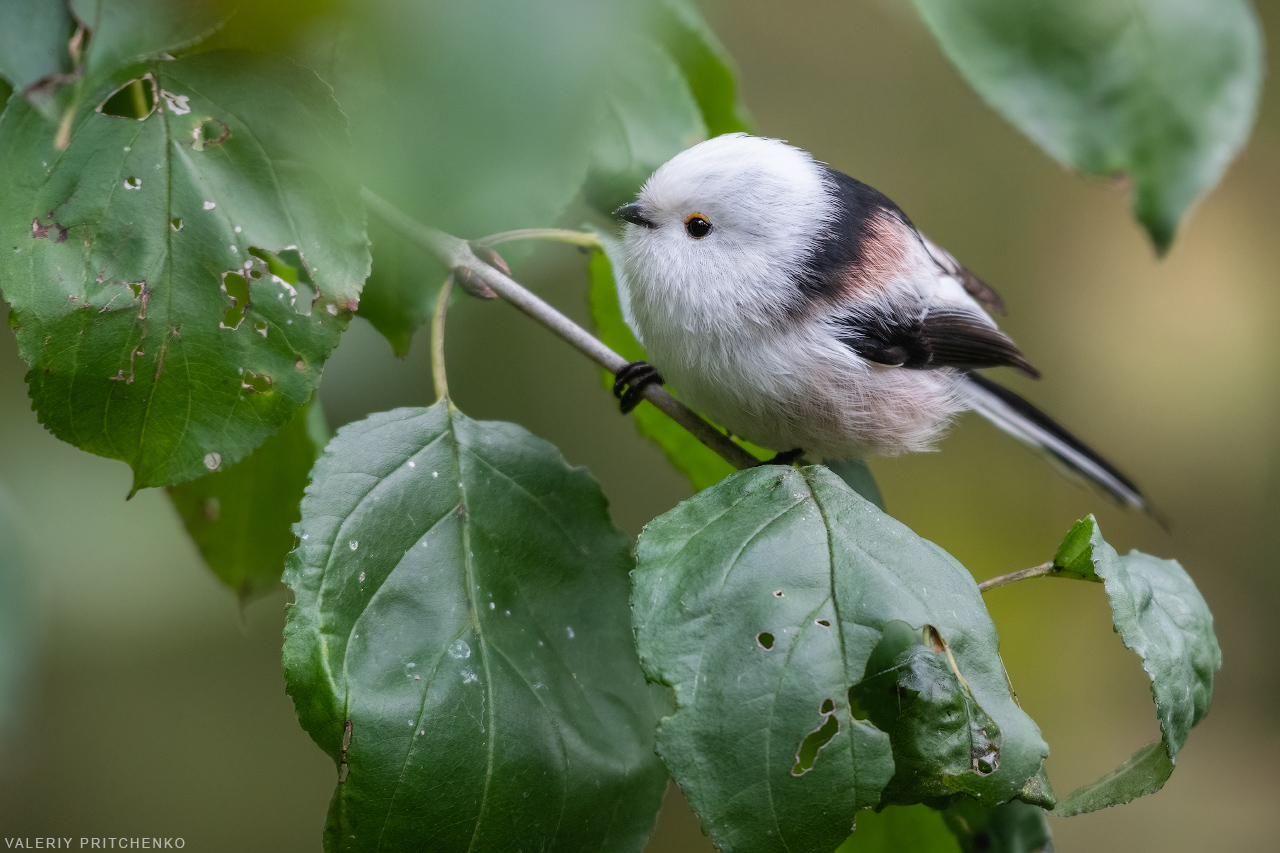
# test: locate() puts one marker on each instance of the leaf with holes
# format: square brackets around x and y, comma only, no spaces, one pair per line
[1163,93]
[699,463]
[178,281]
[242,518]
[824,659]
[1160,614]
[33,40]
[461,645]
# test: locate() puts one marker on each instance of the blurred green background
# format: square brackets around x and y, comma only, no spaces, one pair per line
[157,706]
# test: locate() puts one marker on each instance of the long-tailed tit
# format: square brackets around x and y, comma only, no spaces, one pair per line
[801,310]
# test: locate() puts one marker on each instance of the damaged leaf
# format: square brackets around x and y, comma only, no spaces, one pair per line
[34,40]
[242,518]
[1160,615]
[1162,93]
[461,644]
[856,604]
[151,277]
[122,32]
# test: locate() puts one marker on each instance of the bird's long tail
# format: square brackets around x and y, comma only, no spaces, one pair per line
[1032,427]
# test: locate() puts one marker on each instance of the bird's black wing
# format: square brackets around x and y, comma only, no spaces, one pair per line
[937,338]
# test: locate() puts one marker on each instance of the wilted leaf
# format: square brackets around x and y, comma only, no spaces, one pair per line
[242,518]
[461,644]
[178,282]
[699,463]
[1162,92]
[1014,827]
[33,40]
[775,604]
[1160,614]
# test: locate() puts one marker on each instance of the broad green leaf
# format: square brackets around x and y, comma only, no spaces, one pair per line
[33,40]
[242,518]
[900,829]
[647,116]
[699,463]
[1161,91]
[824,659]
[706,64]
[461,644]
[1014,827]
[1160,614]
[402,287]
[859,478]
[122,32]
[178,282]
[17,628]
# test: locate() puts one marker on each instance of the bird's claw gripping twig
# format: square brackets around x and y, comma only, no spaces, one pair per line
[629,383]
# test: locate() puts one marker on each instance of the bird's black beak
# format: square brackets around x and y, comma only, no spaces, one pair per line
[632,213]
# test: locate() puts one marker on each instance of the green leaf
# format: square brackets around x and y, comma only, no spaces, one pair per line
[900,829]
[859,478]
[703,466]
[242,518]
[122,32]
[461,645]
[1160,614]
[647,116]
[707,66]
[161,272]
[774,603]
[402,287]
[33,40]
[1014,827]
[17,625]
[1164,93]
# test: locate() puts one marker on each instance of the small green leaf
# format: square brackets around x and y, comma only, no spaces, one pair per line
[767,603]
[900,829]
[1014,827]
[706,64]
[1164,93]
[1144,773]
[242,518]
[1160,614]
[647,116]
[461,644]
[122,32]
[402,287]
[177,282]
[33,40]
[703,466]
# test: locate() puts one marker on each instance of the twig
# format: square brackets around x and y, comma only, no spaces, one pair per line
[585,239]
[1043,570]
[455,253]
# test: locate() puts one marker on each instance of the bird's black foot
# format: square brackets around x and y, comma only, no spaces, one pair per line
[629,383]
[787,457]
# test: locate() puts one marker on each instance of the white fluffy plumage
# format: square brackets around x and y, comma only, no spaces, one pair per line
[812,315]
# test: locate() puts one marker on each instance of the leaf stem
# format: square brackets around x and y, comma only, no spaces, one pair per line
[1043,570]
[585,239]
[439,375]
[456,253]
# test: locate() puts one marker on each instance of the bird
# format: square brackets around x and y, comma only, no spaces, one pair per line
[800,309]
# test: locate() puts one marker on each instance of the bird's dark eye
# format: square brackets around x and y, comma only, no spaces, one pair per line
[697,226]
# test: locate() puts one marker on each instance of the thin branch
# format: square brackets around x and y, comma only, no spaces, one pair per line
[585,239]
[438,373]
[1043,570]
[455,253]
